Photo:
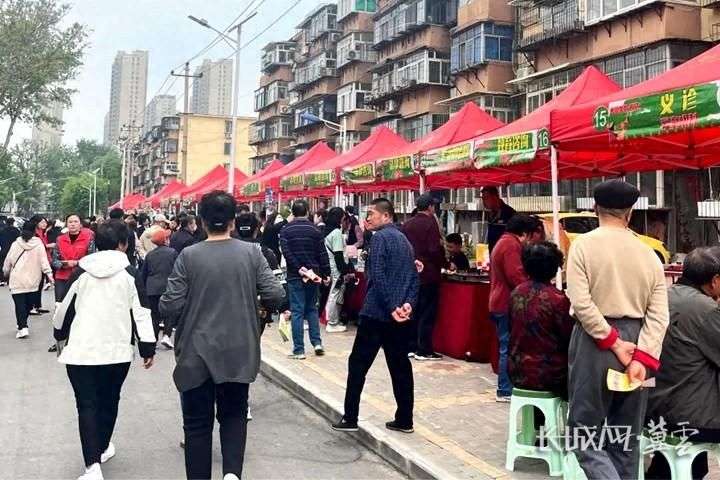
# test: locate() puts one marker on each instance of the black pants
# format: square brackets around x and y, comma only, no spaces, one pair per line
[157,318]
[23,304]
[394,338]
[659,468]
[424,314]
[198,406]
[37,296]
[97,394]
[61,289]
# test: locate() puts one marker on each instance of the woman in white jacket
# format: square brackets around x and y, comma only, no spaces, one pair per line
[25,265]
[100,320]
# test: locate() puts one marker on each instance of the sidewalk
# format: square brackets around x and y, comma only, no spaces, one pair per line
[460,431]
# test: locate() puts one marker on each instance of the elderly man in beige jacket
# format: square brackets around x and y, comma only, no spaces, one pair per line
[146,245]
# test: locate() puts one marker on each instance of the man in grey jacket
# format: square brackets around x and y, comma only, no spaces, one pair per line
[214,289]
[688,383]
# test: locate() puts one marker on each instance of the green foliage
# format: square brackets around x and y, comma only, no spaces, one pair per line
[40,54]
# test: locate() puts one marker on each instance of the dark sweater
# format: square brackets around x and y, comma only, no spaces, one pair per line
[303,245]
[423,233]
[157,268]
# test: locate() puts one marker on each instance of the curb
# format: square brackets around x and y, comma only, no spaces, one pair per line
[399,455]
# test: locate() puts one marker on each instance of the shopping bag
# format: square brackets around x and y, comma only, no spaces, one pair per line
[284,328]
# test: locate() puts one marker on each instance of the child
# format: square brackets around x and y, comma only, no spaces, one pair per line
[458,260]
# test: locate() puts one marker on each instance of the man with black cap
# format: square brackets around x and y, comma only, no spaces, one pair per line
[617,289]
[423,232]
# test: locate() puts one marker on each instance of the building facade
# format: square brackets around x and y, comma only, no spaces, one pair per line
[160,106]
[272,134]
[156,158]
[128,92]
[212,93]
[46,134]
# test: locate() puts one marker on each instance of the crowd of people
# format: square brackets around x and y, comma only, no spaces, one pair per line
[132,281]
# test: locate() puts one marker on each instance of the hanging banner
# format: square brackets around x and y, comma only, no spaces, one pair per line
[324,178]
[364,173]
[510,149]
[251,189]
[293,182]
[454,157]
[678,110]
[396,168]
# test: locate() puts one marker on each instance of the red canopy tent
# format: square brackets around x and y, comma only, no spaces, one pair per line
[220,183]
[129,202]
[670,121]
[167,191]
[217,172]
[519,151]
[321,179]
[397,172]
[253,186]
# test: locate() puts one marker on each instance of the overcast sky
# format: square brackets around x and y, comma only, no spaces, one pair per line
[162,28]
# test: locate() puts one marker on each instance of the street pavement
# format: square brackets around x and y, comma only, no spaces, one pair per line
[39,437]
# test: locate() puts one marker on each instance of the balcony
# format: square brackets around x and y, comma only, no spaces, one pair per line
[348,7]
[305,77]
[403,18]
[170,123]
[270,131]
[541,24]
[270,94]
[321,21]
[170,168]
[169,146]
[356,47]
[416,71]
[277,55]
[710,3]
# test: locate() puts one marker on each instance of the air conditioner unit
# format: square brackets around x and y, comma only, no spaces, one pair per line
[352,55]
[392,106]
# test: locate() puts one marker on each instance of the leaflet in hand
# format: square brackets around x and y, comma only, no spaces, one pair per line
[620,382]
[309,276]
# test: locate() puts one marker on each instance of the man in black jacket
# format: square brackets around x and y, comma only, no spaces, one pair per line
[119,214]
[184,237]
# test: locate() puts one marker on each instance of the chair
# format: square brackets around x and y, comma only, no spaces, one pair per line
[521,441]
[680,455]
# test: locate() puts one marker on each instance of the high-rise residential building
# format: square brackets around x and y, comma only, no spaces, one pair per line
[412,75]
[45,133]
[156,161]
[315,80]
[128,92]
[159,107]
[212,93]
[272,133]
[355,59]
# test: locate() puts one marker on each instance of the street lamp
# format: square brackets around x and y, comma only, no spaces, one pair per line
[236,87]
[90,193]
[93,203]
[342,129]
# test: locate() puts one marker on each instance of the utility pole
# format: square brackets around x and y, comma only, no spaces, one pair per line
[186,108]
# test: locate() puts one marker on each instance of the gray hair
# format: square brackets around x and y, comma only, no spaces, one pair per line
[701,265]
[620,213]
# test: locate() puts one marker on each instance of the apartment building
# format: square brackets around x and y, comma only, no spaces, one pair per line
[156,161]
[272,133]
[412,74]
[355,58]
[45,133]
[481,58]
[315,78]
[128,92]
[159,107]
[212,93]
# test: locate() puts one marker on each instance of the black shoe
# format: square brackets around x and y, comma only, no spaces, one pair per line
[431,356]
[43,310]
[345,426]
[53,348]
[395,426]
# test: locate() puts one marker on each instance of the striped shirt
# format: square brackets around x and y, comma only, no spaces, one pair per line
[303,245]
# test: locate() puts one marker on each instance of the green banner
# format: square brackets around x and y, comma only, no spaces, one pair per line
[324,178]
[510,149]
[396,168]
[251,189]
[364,173]
[293,182]
[454,157]
[672,111]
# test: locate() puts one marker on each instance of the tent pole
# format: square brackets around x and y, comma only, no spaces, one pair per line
[422,183]
[555,207]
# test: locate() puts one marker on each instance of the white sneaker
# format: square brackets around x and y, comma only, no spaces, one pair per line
[167,342]
[93,472]
[22,333]
[108,454]
[502,398]
[335,328]
[249,415]
[306,327]
[231,476]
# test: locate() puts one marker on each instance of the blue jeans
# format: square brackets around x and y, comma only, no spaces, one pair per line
[502,325]
[303,306]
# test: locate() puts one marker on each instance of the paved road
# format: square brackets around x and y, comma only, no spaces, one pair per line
[38,423]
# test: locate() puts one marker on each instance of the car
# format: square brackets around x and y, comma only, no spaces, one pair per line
[575,224]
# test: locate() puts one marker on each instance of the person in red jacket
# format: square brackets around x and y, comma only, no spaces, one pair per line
[69,249]
[423,232]
[506,273]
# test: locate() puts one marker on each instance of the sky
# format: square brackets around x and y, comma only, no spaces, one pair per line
[162,28]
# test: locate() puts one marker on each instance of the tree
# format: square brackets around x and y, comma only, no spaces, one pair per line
[38,57]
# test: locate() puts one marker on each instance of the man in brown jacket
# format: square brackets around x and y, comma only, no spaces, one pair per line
[617,290]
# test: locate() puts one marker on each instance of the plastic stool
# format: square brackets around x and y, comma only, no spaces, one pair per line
[681,464]
[572,470]
[522,443]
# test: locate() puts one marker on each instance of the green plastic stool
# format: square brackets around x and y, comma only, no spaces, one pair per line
[572,470]
[681,462]
[521,441]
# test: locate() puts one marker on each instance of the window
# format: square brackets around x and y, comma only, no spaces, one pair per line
[324,108]
[322,22]
[320,66]
[356,46]
[467,47]
[417,127]
[399,20]
[352,97]
[346,7]
[598,9]
[226,148]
